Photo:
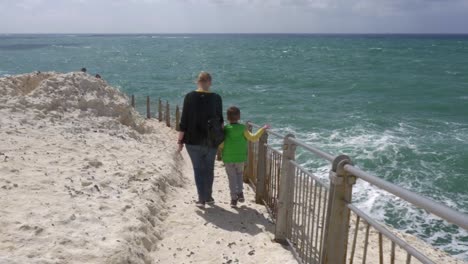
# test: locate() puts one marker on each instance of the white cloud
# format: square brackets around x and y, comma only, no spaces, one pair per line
[28,4]
[233,16]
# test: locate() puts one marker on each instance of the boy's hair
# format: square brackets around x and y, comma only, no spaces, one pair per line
[233,113]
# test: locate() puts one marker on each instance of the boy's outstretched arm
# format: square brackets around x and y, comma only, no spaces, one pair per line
[255,137]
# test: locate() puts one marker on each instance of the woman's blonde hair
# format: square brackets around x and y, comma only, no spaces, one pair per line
[204,77]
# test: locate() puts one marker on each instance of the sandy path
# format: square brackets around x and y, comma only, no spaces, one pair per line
[218,234]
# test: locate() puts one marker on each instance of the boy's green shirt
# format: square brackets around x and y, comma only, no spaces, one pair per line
[236,137]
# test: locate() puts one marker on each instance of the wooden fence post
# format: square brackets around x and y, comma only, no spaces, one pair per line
[160,109]
[168,114]
[177,118]
[133,100]
[261,169]
[249,164]
[337,221]
[148,109]
[286,188]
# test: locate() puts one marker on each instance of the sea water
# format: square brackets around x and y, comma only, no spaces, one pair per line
[397,104]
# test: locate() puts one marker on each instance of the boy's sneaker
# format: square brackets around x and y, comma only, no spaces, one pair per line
[234,203]
[210,201]
[200,204]
[240,197]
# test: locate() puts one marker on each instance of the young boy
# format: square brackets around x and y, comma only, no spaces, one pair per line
[234,152]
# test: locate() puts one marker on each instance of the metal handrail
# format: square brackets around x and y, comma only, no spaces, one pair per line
[400,242]
[269,131]
[274,150]
[445,212]
[311,175]
[316,151]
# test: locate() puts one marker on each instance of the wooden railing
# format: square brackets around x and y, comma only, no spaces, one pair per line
[163,112]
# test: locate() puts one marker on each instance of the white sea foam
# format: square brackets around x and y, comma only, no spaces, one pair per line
[258,88]
[171,37]
[452,72]
[59,46]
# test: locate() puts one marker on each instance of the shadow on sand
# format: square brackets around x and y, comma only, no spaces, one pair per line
[244,219]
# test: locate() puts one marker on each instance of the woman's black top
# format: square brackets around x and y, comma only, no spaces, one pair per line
[199,107]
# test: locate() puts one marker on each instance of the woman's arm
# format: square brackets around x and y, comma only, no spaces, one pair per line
[180,141]
[183,124]
[219,110]
[184,118]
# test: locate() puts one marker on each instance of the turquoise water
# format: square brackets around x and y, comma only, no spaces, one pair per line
[397,104]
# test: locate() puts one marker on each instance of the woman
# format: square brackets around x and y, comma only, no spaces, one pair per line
[202,109]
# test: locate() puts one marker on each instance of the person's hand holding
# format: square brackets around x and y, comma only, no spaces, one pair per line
[266,126]
[180,141]
[180,147]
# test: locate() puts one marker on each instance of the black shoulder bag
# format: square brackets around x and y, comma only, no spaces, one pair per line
[215,126]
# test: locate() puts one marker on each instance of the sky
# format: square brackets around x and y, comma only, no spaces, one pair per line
[233,16]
